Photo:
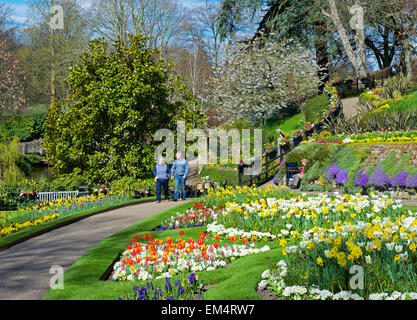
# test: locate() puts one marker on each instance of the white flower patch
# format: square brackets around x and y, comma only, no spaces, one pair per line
[276,282]
[220,229]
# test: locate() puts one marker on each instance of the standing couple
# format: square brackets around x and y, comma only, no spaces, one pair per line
[178,172]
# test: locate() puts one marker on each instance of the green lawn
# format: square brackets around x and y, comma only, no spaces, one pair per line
[288,126]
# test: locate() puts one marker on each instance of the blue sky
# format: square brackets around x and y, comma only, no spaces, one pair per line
[20,6]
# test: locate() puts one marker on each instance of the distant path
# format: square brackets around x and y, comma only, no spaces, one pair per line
[24,268]
[350,106]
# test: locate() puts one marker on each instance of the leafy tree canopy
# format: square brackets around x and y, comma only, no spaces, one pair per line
[118,99]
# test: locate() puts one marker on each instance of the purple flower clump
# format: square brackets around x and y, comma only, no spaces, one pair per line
[409,181]
[341,177]
[380,178]
[402,179]
[331,172]
[394,181]
[361,179]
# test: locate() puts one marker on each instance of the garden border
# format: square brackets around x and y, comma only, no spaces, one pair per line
[62,222]
[96,262]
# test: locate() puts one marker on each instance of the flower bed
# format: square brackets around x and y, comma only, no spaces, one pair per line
[198,216]
[284,217]
[384,247]
[45,212]
[184,288]
[383,136]
[159,258]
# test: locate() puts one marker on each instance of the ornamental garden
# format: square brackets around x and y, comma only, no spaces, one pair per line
[83,146]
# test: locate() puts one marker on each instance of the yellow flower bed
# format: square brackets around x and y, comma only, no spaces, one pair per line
[18,226]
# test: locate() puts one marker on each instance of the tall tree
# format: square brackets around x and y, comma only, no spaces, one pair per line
[283,19]
[12,81]
[120,95]
[400,17]
[59,48]
[202,30]
[160,20]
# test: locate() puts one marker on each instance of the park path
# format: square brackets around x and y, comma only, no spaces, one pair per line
[24,268]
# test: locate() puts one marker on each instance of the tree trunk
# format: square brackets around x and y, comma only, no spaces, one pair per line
[359,60]
[322,57]
[53,62]
[405,44]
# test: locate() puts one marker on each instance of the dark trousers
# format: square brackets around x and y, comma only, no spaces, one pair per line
[162,183]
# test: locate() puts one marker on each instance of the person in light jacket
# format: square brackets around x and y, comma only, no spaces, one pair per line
[179,173]
[162,174]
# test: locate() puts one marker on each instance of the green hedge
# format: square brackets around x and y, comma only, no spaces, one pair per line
[27,127]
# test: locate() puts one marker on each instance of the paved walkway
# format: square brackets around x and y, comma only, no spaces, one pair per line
[24,268]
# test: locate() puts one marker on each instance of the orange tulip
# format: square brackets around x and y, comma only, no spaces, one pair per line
[217,237]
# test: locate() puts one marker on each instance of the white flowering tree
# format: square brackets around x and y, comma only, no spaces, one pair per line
[263,78]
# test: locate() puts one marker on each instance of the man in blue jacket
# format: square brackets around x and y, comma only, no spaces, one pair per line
[162,174]
[179,173]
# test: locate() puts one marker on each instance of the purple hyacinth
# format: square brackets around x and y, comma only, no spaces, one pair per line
[341,177]
[415,181]
[402,179]
[331,172]
[394,181]
[380,179]
[409,181]
[361,179]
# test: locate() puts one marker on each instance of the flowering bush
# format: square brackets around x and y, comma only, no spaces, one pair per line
[27,191]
